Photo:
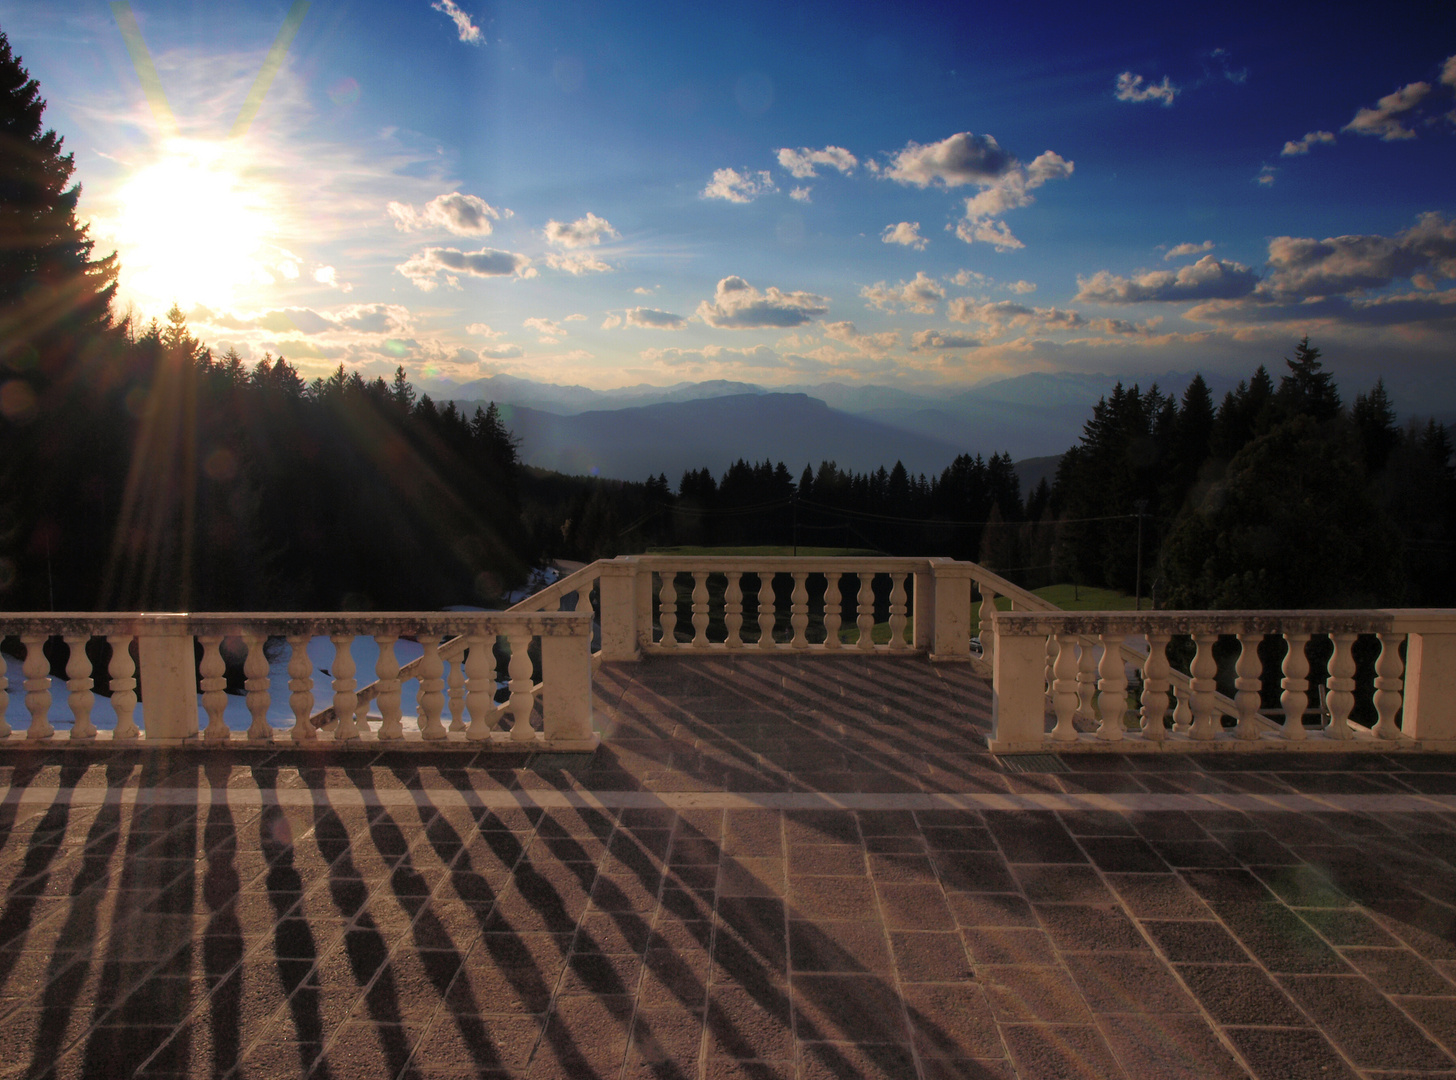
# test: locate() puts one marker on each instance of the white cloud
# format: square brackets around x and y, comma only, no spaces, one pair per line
[1179,251]
[653,319]
[872,344]
[1448,72]
[1206,279]
[1384,120]
[611,322]
[1002,315]
[801,163]
[1266,176]
[1345,264]
[575,317]
[739,187]
[326,275]
[737,305]
[923,340]
[550,332]
[755,356]
[964,158]
[966,278]
[1131,87]
[801,194]
[1295,147]
[994,233]
[377,318]
[502,352]
[480,329]
[468,31]
[906,233]
[463,215]
[583,232]
[1022,287]
[450,263]
[643,290]
[576,263]
[920,295]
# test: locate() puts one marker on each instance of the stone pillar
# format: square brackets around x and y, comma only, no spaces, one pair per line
[618,590]
[950,610]
[1018,698]
[1430,687]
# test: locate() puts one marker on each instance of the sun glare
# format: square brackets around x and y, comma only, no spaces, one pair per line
[191,230]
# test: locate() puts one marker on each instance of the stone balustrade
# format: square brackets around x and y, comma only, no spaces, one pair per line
[154,661]
[1052,667]
[667,604]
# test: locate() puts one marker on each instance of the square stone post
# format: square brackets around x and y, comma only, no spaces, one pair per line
[621,634]
[1430,687]
[168,676]
[951,611]
[1018,694]
[566,689]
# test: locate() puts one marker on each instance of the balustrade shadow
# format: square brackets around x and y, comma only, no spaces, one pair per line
[222,939]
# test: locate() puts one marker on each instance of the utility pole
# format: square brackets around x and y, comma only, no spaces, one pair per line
[1142,506]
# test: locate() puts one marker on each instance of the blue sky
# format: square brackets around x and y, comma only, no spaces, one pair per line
[919,195]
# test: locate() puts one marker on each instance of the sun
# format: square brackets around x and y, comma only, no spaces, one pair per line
[191,229]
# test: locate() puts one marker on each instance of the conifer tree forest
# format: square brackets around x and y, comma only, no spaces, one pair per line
[140,470]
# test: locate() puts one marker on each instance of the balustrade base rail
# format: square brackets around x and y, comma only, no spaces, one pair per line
[1361,741]
[412,742]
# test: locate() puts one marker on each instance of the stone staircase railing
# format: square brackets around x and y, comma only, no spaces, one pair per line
[176,690]
[1413,698]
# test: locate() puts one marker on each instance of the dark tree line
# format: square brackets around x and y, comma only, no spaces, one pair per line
[1279,497]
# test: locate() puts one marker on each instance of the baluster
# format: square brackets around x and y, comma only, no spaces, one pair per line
[700,609]
[121,674]
[300,685]
[391,706]
[479,665]
[986,628]
[799,612]
[668,617]
[1182,709]
[431,699]
[346,698]
[866,619]
[1247,685]
[1295,684]
[1112,688]
[1064,688]
[521,697]
[37,671]
[457,694]
[1204,669]
[78,681]
[1341,685]
[1388,685]
[733,610]
[4,702]
[213,683]
[1086,679]
[897,613]
[1051,660]
[255,682]
[767,610]
[832,618]
[1155,688]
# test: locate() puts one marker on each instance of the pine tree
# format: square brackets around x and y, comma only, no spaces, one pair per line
[1374,418]
[1308,389]
[55,300]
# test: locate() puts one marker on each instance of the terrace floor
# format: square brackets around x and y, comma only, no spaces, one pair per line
[797,868]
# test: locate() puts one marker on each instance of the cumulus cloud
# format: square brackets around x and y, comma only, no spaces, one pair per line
[653,319]
[1346,264]
[1295,147]
[450,263]
[920,295]
[801,163]
[964,158]
[576,263]
[906,233]
[463,215]
[965,278]
[611,322]
[737,305]
[994,233]
[1003,315]
[327,275]
[583,232]
[643,290]
[1125,327]
[1385,120]
[877,344]
[375,318]
[502,352]
[1448,72]
[468,31]
[1131,87]
[756,356]
[1208,278]
[925,340]
[1179,251]
[801,194]
[480,329]
[739,187]
[1266,175]
[550,332]
[1022,287]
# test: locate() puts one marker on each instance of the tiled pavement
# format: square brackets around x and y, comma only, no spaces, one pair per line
[774,868]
